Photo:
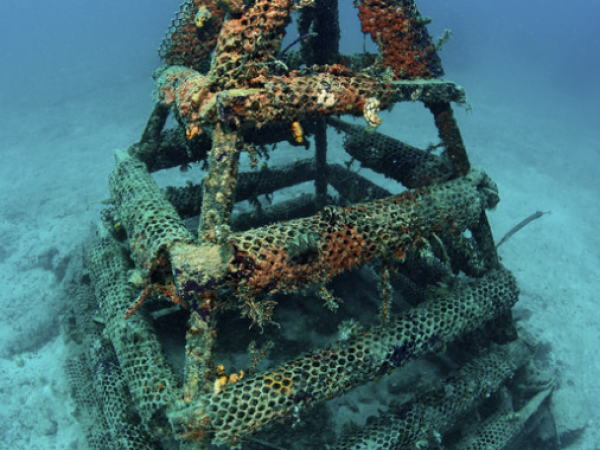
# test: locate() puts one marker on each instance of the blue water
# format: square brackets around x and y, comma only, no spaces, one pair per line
[76,84]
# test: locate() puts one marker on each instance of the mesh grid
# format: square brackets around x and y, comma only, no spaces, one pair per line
[502,428]
[284,257]
[318,91]
[495,433]
[99,385]
[151,221]
[438,409]
[251,403]
[408,165]
[188,44]
[148,376]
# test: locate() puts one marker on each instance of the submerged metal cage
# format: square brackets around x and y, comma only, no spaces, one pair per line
[232,89]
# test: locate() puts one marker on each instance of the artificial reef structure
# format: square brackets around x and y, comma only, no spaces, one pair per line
[176,267]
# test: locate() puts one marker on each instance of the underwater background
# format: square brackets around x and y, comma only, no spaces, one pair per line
[76,85]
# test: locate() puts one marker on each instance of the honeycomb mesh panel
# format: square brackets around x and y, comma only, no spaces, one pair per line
[438,409]
[383,154]
[249,42]
[351,186]
[100,388]
[494,433]
[152,223]
[503,427]
[77,368]
[251,403]
[120,416]
[187,200]
[286,256]
[271,133]
[148,376]
[187,44]
[80,380]
[301,94]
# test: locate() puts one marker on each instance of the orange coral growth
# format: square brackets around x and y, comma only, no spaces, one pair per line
[316,249]
[133,308]
[168,290]
[273,269]
[346,249]
[256,33]
[402,39]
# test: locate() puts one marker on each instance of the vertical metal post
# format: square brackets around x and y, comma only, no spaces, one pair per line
[455,150]
[450,135]
[217,203]
[482,234]
[156,123]
[323,20]
[219,185]
[199,339]
[321,162]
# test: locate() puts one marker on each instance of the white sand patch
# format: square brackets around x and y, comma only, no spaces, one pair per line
[36,404]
